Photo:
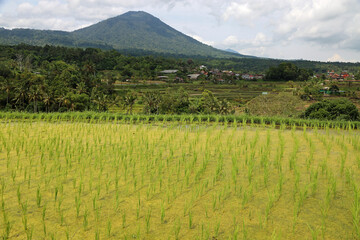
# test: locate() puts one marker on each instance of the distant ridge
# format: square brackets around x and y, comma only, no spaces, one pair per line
[132,31]
[231,51]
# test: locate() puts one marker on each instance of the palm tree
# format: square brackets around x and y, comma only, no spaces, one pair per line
[129,101]
[64,99]
[101,99]
[81,88]
[89,68]
[6,85]
[35,94]
[67,102]
[21,94]
[47,99]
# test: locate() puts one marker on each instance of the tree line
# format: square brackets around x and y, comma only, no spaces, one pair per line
[58,87]
[179,102]
[53,78]
[50,79]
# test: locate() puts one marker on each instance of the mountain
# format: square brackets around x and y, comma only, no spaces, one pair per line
[235,52]
[231,51]
[130,32]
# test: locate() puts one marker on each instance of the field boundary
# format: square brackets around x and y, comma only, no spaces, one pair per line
[96,117]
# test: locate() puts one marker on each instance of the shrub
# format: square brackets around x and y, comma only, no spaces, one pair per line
[339,109]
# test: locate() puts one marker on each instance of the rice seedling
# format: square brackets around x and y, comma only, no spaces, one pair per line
[83,178]
[190,220]
[86,219]
[177,227]
[162,214]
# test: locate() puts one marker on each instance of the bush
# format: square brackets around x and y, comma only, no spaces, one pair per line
[339,109]
[287,72]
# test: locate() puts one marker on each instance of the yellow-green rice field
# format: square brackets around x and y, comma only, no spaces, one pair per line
[76,180]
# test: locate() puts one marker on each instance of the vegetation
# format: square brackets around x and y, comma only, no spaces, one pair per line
[339,109]
[287,72]
[59,87]
[48,79]
[187,166]
[245,119]
[181,181]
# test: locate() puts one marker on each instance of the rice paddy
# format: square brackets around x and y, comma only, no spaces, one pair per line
[177,180]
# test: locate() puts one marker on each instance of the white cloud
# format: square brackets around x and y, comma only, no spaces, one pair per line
[72,14]
[261,39]
[238,10]
[231,41]
[335,58]
[324,22]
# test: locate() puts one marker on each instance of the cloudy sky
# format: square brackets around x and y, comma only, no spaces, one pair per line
[323,30]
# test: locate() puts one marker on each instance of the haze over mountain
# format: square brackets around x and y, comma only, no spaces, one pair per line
[132,31]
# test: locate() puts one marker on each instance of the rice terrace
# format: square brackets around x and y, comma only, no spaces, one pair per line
[156,178]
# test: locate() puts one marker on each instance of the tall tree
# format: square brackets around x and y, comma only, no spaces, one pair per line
[21,94]
[35,95]
[48,100]
[129,101]
[6,84]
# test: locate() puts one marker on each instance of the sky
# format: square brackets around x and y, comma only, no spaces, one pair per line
[320,30]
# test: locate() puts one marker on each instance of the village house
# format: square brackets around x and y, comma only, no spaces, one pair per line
[252,77]
[193,76]
[169,71]
[202,67]
[344,75]
[163,77]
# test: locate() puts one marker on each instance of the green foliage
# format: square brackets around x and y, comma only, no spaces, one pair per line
[5,71]
[151,102]
[128,101]
[178,102]
[287,72]
[357,75]
[311,92]
[210,104]
[47,79]
[175,102]
[339,109]
[60,87]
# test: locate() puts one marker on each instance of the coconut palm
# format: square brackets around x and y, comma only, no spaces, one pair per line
[35,94]
[21,95]
[81,88]
[47,99]
[6,85]
[129,101]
